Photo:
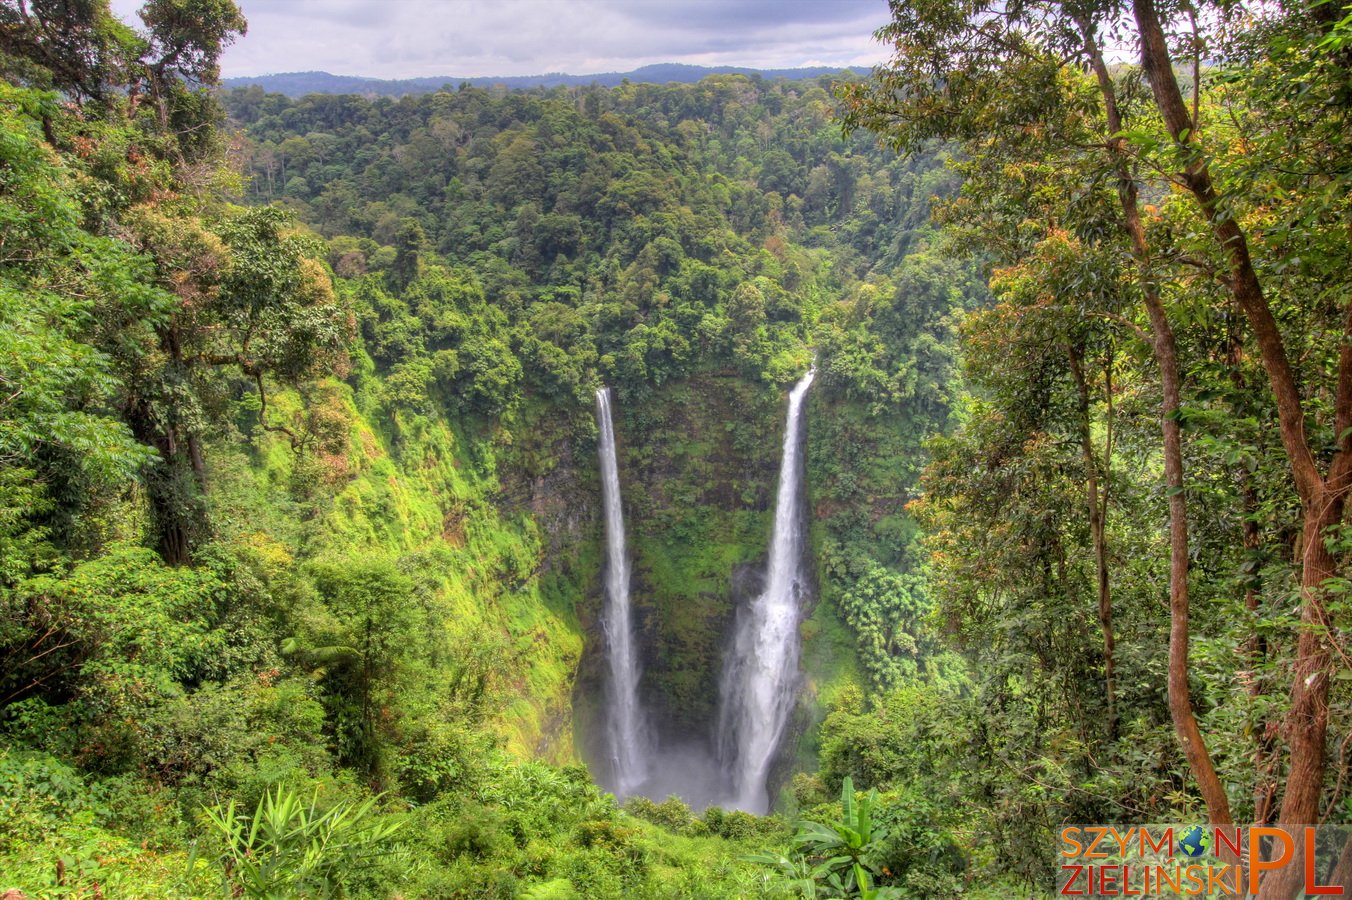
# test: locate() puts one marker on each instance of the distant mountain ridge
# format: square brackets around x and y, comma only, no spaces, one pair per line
[297,84]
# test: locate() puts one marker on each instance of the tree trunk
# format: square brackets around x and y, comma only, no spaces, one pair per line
[199,465]
[175,488]
[1342,872]
[1166,357]
[1097,507]
[1180,700]
[169,519]
[1306,725]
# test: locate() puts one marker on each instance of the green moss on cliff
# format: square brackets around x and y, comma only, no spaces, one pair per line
[698,462]
[428,492]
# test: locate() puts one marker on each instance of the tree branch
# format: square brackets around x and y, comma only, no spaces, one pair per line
[263,414]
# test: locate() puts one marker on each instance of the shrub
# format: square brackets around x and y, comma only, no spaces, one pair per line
[672,813]
[291,848]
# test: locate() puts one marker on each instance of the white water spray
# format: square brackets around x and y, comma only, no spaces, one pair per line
[760,677]
[626,729]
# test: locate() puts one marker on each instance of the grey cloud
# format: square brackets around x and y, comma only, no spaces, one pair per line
[743,13]
[404,38]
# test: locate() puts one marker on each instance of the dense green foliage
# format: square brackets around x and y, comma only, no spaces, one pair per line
[299,553]
[1160,256]
[691,247]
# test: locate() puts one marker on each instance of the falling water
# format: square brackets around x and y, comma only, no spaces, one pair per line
[626,730]
[760,678]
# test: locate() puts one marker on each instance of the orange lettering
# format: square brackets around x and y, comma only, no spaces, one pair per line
[1146,841]
[1215,878]
[1256,863]
[1090,854]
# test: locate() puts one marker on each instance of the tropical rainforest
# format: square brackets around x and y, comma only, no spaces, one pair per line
[302,549]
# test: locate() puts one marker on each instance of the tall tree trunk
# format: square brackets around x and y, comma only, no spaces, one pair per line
[1097,506]
[1307,721]
[199,466]
[1342,871]
[169,518]
[1166,357]
[1180,699]
[173,342]
[1255,648]
[175,488]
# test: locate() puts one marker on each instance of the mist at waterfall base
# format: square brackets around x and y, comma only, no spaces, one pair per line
[760,679]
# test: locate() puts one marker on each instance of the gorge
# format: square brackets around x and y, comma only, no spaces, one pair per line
[387,540]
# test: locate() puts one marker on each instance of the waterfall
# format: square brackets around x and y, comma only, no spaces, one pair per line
[626,730]
[760,677]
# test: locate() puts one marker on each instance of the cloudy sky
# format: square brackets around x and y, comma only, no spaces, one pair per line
[406,38]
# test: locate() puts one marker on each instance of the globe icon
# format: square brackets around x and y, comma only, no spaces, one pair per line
[1194,841]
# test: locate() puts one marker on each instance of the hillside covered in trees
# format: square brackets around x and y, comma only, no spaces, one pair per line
[302,550]
[298,84]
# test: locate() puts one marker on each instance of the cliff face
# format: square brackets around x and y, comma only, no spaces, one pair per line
[702,464]
[497,525]
[699,461]
[502,252]
[697,465]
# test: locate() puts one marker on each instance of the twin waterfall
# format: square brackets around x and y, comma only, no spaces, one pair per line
[627,730]
[760,674]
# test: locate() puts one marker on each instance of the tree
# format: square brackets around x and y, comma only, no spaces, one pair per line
[188,36]
[70,45]
[59,426]
[371,632]
[252,297]
[109,639]
[984,76]
[181,61]
[409,244]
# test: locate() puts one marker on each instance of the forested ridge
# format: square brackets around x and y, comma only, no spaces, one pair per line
[298,84]
[301,548]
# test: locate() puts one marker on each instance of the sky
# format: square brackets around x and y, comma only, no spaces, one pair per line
[409,38]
